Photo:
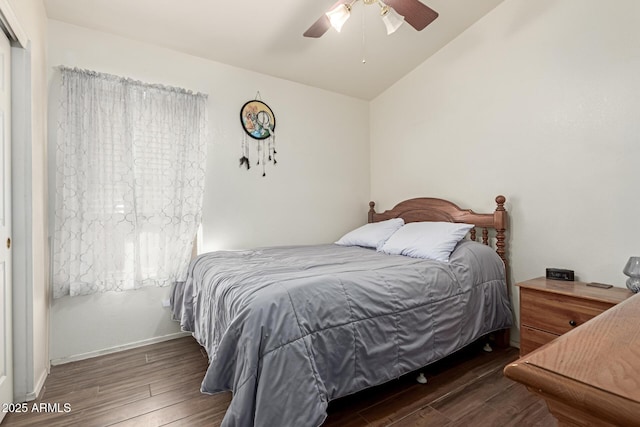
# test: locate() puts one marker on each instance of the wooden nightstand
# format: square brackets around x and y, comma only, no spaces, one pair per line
[549,308]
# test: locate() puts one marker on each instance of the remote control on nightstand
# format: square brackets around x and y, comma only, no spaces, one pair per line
[599,285]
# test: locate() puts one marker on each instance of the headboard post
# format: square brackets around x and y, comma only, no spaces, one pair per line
[500,221]
[372,210]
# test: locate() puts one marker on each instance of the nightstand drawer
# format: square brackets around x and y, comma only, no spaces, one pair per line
[531,338]
[557,313]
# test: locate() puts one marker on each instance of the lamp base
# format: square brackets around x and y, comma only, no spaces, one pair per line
[633,283]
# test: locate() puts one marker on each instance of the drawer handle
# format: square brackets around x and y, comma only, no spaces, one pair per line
[572,322]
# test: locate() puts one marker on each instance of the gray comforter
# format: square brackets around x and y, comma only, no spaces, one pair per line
[288,329]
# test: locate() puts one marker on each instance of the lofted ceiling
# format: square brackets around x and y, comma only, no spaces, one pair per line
[266,36]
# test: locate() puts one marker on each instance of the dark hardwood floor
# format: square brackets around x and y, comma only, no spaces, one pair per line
[158,385]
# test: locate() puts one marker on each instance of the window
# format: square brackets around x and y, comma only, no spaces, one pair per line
[130,171]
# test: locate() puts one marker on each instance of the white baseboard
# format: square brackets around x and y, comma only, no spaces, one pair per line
[39,385]
[32,395]
[89,355]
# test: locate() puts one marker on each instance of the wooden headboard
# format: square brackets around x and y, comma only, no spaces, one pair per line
[430,209]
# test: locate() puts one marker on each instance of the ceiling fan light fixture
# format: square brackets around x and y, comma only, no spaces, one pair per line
[339,15]
[414,12]
[392,19]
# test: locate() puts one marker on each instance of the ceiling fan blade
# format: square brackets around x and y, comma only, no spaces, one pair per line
[415,12]
[322,24]
[318,28]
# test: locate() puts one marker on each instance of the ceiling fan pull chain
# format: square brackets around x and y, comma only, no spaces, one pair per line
[364,49]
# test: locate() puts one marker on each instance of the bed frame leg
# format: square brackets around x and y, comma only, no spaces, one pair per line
[502,338]
[421,378]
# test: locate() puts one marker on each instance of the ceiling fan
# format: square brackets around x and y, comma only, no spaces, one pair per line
[393,13]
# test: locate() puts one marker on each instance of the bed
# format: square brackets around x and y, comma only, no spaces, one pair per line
[288,329]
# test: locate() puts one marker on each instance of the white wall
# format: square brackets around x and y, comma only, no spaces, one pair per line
[318,190]
[31,287]
[537,101]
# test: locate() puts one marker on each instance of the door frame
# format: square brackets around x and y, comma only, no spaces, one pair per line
[24,388]
[11,26]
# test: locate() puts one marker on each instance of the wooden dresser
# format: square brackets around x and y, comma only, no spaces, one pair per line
[550,308]
[589,376]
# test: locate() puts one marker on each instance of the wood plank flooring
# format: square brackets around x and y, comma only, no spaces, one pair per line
[159,385]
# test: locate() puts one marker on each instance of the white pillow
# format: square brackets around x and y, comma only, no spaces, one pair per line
[372,235]
[430,240]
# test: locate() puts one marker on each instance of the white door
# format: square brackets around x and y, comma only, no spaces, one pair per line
[6,348]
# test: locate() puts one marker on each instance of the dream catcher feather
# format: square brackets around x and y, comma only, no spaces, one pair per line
[259,123]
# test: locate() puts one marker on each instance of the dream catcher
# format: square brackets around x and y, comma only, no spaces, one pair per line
[258,122]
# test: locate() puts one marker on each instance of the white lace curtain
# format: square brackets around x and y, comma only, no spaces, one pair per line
[130,171]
